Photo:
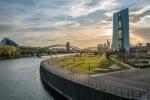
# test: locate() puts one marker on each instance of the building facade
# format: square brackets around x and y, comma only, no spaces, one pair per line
[121,30]
[7,41]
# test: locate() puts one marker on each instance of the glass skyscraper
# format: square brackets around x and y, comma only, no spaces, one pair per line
[121,30]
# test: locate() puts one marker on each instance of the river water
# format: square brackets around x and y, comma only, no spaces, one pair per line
[20,80]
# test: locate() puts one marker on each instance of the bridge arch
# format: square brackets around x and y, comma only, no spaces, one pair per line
[72,48]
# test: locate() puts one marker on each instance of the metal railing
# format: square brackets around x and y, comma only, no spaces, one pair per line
[103,85]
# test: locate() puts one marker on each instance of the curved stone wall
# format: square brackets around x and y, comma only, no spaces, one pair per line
[72,90]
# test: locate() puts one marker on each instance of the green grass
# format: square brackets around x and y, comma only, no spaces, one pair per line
[96,63]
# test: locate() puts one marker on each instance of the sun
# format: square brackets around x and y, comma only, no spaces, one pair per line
[108,32]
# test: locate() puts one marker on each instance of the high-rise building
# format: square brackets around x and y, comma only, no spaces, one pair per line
[121,30]
[68,47]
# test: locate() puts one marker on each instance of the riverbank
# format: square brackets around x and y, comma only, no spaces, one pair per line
[52,55]
[7,58]
[75,86]
[75,90]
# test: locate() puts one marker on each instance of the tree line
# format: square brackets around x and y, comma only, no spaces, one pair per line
[9,51]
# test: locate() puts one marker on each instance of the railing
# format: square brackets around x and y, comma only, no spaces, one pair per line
[103,85]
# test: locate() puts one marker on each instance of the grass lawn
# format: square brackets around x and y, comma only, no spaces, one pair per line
[82,64]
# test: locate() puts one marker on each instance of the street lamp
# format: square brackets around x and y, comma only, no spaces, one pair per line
[139,54]
[89,70]
[121,74]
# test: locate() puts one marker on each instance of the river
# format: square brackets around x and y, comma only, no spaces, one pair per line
[20,80]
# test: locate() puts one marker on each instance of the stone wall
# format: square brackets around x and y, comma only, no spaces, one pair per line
[72,90]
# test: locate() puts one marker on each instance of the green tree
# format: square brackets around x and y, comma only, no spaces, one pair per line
[9,51]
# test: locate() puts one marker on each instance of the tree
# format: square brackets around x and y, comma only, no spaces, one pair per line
[9,51]
[107,55]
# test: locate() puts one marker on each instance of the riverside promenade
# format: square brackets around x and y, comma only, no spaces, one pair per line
[111,86]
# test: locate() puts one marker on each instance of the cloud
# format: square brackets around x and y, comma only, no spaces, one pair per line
[140,11]
[89,6]
[106,21]
[5,28]
[143,33]
[33,22]
[66,24]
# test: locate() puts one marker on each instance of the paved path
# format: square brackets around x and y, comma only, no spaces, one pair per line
[126,80]
[140,79]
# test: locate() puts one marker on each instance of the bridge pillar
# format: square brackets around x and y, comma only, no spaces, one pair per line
[67,47]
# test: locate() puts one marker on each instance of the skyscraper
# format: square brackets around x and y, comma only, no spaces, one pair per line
[68,47]
[121,30]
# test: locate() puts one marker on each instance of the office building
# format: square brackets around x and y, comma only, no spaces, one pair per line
[121,31]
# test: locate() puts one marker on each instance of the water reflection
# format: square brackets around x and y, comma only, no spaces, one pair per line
[20,80]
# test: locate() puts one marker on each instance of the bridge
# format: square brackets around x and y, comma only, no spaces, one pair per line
[59,48]
[67,46]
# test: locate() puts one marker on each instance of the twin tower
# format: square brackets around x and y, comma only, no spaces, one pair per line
[121,31]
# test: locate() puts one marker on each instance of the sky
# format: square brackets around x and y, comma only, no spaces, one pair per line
[84,23]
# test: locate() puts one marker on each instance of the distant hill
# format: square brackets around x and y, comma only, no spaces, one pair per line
[7,41]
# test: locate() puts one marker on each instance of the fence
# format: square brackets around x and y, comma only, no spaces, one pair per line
[103,85]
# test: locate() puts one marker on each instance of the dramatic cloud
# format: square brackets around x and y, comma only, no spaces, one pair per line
[86,7]
[82,22]
[143,33]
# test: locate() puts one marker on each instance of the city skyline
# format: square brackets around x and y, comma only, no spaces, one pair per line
[83,23]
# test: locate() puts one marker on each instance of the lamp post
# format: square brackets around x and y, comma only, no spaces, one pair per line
[121,74]
[137,60]
[89,70]
[139,54]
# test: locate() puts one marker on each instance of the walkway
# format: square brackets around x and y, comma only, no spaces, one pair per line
[122,84]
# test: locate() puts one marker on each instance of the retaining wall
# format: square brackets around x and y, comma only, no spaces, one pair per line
[72,90]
